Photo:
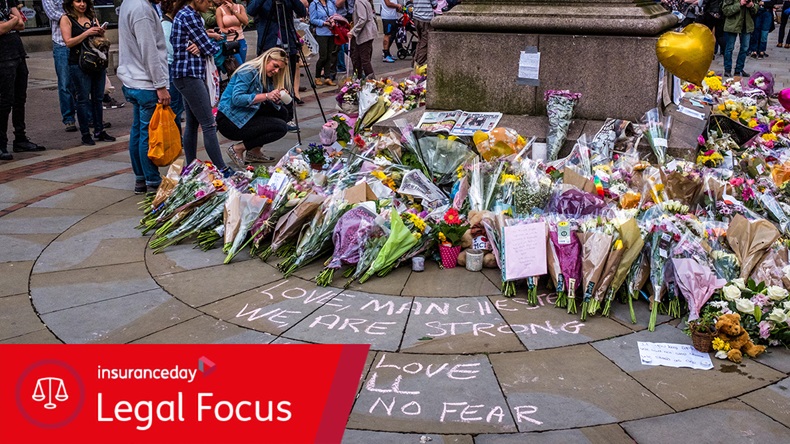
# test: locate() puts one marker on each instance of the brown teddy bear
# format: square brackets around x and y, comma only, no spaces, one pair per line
[476,231]
[728,329]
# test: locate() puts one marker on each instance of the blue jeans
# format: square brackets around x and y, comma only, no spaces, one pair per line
[241,57]
[68,105]
[759,39]
[144,103]
[199,113]
[341,58]
[730,37]
[89,92]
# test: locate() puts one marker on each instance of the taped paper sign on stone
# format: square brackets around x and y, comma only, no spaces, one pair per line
[673,355]
[529,67]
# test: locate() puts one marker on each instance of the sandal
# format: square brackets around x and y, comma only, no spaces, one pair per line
[259,159]
[235,157]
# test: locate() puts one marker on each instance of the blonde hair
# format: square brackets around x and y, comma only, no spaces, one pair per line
[281,80]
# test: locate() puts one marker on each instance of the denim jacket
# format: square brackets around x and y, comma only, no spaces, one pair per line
[236,101]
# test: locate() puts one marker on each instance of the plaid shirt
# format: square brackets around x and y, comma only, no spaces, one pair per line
[188,28]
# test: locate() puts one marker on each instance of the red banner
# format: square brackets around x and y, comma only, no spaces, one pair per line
[177,393]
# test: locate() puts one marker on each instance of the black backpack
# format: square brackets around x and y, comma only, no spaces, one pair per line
[90,60]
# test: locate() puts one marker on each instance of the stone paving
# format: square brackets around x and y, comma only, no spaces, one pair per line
[451,360]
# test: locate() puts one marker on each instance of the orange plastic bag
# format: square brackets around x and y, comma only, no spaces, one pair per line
[164,139]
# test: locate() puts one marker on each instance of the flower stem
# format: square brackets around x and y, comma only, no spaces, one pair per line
[631,308]
[325,277]
[508,289]
[651,326]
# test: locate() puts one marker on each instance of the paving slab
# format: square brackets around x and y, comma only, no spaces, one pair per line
[123,181]
[42,336]
[185,257]
[127,207]
[367,437]
[83,171]
[354,317]
[777,358]
[94,241]
[545,326]
[149,320]
[66,289]
[431,394]
[24,189]
[93,322]
[773,401]
[23,247]
[14,277]
[83,198]
[206,330]
[457,325]
[272,308]
[571,387]
[729,420]
[685,388]
[17,317]
[610,434]
[207,285]
[435,282]
[31,220]
[392,283]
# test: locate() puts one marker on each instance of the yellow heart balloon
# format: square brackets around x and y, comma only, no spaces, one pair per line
[687,54]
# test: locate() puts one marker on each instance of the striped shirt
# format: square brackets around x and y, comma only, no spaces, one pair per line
[188,28]
[423,10]
[54,11]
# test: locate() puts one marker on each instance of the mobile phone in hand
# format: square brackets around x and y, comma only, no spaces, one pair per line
[105,24]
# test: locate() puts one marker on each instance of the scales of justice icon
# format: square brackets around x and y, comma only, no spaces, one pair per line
[40,394]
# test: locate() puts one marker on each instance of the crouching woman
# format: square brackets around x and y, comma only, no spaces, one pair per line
[252,108]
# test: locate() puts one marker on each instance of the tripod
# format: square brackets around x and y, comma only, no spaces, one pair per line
[285,44]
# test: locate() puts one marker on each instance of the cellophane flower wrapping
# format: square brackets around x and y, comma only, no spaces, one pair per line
[575,203]
[696,281]
[442,154]
[484,177]
[349,235]
[559,108]
[656,127]
[596,245]
[533,189]
[399,241]
[569,254]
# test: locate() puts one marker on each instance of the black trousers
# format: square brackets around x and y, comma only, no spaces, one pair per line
[360,58]
[13,95]
[266,126]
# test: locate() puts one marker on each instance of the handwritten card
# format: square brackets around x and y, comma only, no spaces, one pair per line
[673,355]
[524,251]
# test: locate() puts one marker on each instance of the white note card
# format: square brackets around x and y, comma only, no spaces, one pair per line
[529,65]
[673,355]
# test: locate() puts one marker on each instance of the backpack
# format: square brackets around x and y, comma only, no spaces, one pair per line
[90,60]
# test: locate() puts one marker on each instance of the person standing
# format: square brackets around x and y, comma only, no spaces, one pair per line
[321,12]
[423,14]
[362,35]
[390,11]
[191,46]
[714,20]
[13,81]
[78,25]
[176,102]
[737,22]
[232,18]
[270,29]
[60,52]
[783,25]
[142,67]
[763,21]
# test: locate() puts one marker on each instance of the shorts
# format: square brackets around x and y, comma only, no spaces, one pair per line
[390,27]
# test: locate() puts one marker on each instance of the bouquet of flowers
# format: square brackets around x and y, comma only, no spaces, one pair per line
[399,241]
[241,211]
[568,250]
[484,177]
[749,240]
[631,236]
[533,190]
[662,236]
[559,108]
[596,244]
[314,239]
[449,232]
[764,310]
[348,237]
[656,128]
[289,226]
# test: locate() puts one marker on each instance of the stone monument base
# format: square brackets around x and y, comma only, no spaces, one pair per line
[618,76]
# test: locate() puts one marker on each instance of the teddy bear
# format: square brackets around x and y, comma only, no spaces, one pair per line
[475,237]
[729,330]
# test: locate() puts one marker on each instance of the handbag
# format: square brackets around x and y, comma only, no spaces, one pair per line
[164,139]
[90,60]
[212,81]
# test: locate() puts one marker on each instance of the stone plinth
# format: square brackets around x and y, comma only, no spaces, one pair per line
[603,49]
